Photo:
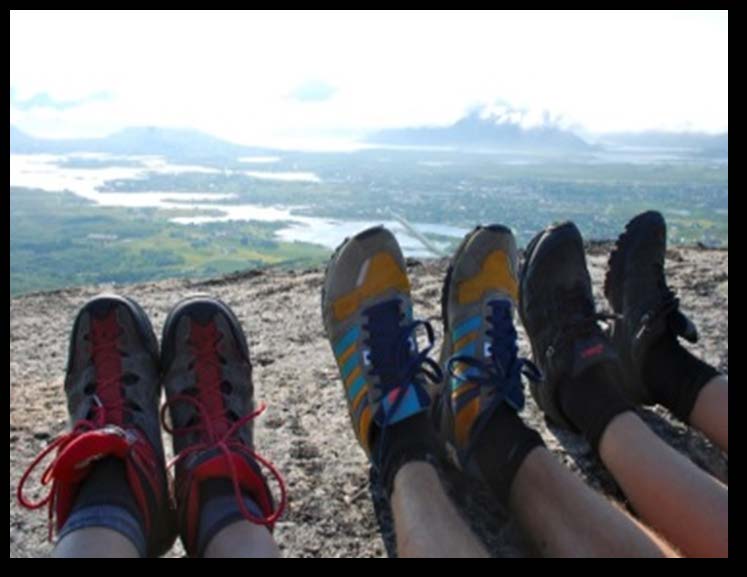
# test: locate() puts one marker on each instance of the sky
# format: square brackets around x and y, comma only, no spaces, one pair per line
[275,77]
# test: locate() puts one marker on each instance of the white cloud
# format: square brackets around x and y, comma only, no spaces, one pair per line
[235,74]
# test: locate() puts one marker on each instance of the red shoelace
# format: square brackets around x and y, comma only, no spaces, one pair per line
[98,436]
[214,425]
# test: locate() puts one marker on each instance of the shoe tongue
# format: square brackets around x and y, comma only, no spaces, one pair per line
[498,351]
[386,351]
[75,460]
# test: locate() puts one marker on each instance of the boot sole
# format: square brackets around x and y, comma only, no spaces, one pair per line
[615,275]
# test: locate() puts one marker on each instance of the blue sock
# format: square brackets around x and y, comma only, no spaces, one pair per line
[106,500]
[219,509]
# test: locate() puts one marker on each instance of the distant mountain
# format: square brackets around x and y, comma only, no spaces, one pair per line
[702,144]
[475,131]
[172,143]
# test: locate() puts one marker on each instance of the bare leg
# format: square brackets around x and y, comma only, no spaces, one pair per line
[566,518]
[711,411]
[683,503]
[425,520]
[95,542]
[242,539]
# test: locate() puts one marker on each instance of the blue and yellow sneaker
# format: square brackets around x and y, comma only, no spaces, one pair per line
[368,318]
[480,353]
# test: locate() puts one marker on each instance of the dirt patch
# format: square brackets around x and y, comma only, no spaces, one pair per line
[335,504]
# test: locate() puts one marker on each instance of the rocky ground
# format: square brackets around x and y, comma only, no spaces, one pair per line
[335,506]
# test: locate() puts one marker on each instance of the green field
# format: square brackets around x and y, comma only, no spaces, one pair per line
[58,240]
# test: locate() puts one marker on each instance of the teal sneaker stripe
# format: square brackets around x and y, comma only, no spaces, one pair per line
[467,350]
[347,340]
[356,387]
[455,384]
[359,411]
[467,326]
[408,407]
[349,367]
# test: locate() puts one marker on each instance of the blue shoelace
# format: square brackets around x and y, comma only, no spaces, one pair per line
[394,356]
[501,374]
